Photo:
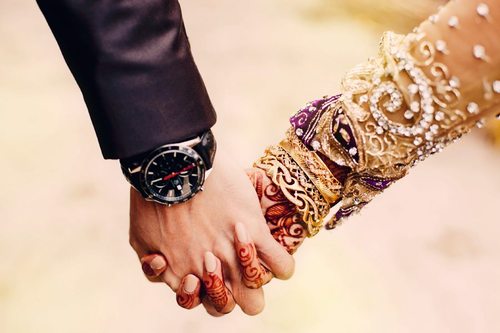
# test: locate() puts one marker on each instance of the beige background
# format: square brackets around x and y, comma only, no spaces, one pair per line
[424,257]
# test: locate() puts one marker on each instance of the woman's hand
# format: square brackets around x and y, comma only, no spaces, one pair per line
[185,233]
[281,216]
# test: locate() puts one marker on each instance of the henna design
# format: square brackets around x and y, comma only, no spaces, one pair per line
[256,177]
[282,216]
[148,271]
[286,226]
[283,219]
[215,291]
[153,265]
[188,300]
[254,274]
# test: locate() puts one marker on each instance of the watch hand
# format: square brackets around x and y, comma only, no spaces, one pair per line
[156,180]
[173,174]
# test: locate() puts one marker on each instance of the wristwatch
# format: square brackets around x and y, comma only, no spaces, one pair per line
[172,173]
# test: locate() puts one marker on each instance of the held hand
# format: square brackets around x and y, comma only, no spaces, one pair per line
[281,215]
[184,233]
[282,219]
[193,290]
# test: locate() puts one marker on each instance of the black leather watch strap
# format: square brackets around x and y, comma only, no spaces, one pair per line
[207,148]
[131,167]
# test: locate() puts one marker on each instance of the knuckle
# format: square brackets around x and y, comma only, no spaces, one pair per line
[137,246]
[132,242]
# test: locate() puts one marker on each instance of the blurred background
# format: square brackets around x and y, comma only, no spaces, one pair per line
[424,257]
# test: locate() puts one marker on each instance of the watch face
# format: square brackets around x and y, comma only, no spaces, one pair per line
[174,174]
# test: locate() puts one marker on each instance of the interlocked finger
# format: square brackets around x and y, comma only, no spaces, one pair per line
[254,274]
[156,269]
[216,291]
[153,266]
[188,294]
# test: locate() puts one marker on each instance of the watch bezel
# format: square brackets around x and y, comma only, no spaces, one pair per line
[168,149]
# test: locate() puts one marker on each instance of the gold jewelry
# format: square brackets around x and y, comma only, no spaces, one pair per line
[315,169]
[406,82]
[395,111]
[296,186]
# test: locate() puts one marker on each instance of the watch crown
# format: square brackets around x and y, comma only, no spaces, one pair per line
[201,189]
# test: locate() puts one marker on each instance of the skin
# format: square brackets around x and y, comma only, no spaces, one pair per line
[188,298]
[254,274]
[283,220]
[282,217]
[184,233]
[286,227]
[216,290]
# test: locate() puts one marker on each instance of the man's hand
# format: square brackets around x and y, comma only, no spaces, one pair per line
[287,229]
[184,234]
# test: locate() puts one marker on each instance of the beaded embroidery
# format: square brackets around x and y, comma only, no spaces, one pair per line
[394,111]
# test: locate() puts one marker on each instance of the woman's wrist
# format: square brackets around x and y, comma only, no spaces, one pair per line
[394,111]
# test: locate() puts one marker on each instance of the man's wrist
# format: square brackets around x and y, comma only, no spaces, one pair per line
[172,173]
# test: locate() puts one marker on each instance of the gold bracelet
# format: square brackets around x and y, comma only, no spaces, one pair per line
[315,169]
[296,186]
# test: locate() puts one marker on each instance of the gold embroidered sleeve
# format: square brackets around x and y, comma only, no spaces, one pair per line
[422,92]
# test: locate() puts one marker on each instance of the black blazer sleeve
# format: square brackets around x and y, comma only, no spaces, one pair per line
[133,64]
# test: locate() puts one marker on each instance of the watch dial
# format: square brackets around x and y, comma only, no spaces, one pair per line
[174,175]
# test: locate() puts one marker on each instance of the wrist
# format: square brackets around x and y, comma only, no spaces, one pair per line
[172,173]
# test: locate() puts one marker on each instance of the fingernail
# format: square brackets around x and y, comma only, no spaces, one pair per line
[190,284]
[210,262]
[147,269]
[157,263]
[241,233]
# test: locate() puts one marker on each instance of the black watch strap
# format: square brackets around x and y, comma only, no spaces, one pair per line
[206,148]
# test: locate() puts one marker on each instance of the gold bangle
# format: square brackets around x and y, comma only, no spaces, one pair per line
[296,186]
[316,170]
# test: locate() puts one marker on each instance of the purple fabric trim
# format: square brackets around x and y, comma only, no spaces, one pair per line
[343,213]
[377,183]
[306,120]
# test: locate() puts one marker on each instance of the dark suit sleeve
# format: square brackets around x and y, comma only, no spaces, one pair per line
[133,64]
